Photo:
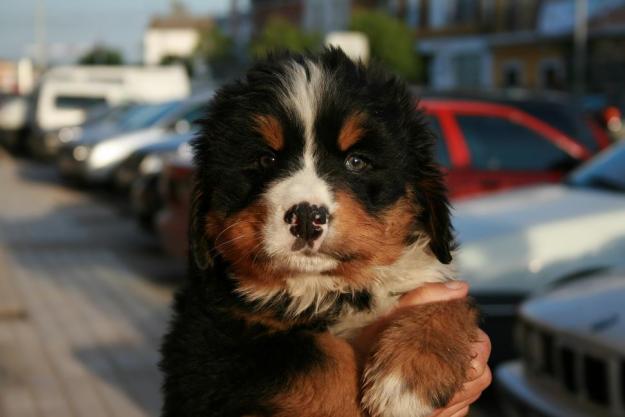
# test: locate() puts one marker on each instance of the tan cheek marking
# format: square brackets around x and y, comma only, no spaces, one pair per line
[271,130]
[351,132]
[373,241]
[238,238]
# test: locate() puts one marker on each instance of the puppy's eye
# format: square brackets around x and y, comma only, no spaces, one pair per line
[356,163]
[267,161]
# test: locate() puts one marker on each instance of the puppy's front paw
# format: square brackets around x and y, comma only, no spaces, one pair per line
[420,361]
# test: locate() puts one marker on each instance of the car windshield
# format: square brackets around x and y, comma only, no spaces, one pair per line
[605,171]
[144,116]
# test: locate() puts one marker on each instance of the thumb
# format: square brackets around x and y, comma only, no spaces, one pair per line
[435,292]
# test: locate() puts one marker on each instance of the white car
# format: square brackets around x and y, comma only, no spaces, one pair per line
[573,344]
[96,160]
[517,242]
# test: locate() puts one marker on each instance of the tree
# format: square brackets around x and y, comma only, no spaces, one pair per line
[391,42]
[217,50]
[280,34]
[186,62]
[102,55]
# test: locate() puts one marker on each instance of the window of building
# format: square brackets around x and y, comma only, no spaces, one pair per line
[467,69]
[512,74]
[444,13]
[499,144]
[551,74]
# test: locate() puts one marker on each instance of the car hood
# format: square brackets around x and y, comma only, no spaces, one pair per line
[170,144]
[591,309]
[519,241]
[97,132]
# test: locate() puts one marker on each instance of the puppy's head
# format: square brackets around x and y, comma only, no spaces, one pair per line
[315,165]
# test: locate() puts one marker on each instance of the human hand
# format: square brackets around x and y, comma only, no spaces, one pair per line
[479,377]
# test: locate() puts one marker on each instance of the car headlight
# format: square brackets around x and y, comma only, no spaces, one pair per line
[151,164]
[80,153]
[108,153]
[69,134]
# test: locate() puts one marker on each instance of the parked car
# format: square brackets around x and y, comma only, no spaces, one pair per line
[572,341]
[101,122]
[140,175]
[149,159]
[13,116]
[173,220]
[492,142]
[95,161]
[517,242]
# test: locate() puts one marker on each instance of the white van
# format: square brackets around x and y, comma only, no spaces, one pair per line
[66,94]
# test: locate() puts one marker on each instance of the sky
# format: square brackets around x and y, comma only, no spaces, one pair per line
[74,25]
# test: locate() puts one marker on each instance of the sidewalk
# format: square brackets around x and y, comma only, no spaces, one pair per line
[80,320]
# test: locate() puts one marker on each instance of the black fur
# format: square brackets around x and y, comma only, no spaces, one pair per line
[215,365]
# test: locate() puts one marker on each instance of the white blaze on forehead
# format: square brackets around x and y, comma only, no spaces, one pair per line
[304,86]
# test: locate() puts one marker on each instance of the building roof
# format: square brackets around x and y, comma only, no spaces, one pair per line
[181,21]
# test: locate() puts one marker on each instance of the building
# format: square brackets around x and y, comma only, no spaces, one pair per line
[16,77]
[507,43]
[321,16]
[174,35]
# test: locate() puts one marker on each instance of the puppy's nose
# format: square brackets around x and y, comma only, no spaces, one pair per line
[306,220]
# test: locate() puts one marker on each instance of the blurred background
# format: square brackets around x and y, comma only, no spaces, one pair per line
[98,102]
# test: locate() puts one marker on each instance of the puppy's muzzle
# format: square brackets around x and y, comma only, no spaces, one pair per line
[306,223]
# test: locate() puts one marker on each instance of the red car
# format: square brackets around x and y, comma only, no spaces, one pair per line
[493,145]
[484,145]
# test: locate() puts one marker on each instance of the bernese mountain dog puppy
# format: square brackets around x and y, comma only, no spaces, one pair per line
[317,204]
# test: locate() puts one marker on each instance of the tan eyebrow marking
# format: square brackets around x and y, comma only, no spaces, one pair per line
[351,132]
[271,130]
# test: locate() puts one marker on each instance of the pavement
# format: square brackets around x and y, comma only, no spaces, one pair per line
[84,298]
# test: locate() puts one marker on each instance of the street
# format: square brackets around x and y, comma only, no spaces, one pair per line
[84,298]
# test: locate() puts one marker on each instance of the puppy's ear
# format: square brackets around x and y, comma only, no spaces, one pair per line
[434,215]
[199,245]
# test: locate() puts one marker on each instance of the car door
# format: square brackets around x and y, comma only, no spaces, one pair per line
[508,148]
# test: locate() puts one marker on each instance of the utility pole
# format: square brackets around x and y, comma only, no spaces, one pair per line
[40,34]
[580,46]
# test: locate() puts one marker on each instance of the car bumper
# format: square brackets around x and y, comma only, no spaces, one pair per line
[524,396]
[73,169]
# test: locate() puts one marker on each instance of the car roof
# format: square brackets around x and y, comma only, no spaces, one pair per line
[512,96]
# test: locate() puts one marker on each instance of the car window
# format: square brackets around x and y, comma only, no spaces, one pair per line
[440,149]
[496,143]
[80,103]
[194,115]
[144,116]
[568,119]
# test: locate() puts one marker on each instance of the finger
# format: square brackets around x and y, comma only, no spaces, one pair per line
[472,390]
[480,352]
[462,413]
[454,406]
[452,411]
[435,292]
[475,387]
